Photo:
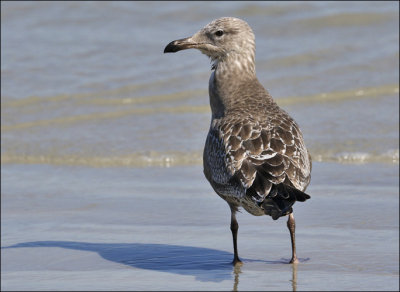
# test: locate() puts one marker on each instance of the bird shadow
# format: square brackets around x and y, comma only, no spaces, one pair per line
[205,264]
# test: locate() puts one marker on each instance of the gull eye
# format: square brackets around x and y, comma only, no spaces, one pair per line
[219,33]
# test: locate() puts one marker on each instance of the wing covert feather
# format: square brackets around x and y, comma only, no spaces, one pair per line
[259,154]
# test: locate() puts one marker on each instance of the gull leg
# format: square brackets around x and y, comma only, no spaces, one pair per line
[234,229]
[292,226]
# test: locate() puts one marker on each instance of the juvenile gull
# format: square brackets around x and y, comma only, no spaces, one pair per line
[254,156]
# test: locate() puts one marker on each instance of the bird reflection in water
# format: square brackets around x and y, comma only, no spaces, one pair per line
[294,277]
[237,270]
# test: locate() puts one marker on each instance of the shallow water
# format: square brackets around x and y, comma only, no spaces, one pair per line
[165,229]
[102,137]
[87,83]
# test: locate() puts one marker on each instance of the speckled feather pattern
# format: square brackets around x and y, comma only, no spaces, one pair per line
[252,145]
[246,154]
[254,155]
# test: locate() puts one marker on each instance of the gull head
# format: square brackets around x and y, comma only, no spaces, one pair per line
[220,39]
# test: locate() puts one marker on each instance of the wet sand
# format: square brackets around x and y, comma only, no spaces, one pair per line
[164,229]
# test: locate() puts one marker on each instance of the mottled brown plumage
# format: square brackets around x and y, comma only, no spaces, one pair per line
[254,155]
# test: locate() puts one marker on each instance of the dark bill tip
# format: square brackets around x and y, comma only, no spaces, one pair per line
[172,47]
[179,45]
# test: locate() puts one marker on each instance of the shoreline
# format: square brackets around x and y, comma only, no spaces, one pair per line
[120,228]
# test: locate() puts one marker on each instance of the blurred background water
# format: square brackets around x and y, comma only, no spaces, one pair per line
[87,83]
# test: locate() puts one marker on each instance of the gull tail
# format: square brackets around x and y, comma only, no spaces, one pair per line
[280,200]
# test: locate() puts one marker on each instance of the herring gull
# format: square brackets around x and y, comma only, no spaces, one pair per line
[254,155]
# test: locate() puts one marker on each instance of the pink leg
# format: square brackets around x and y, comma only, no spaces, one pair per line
[292,226]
